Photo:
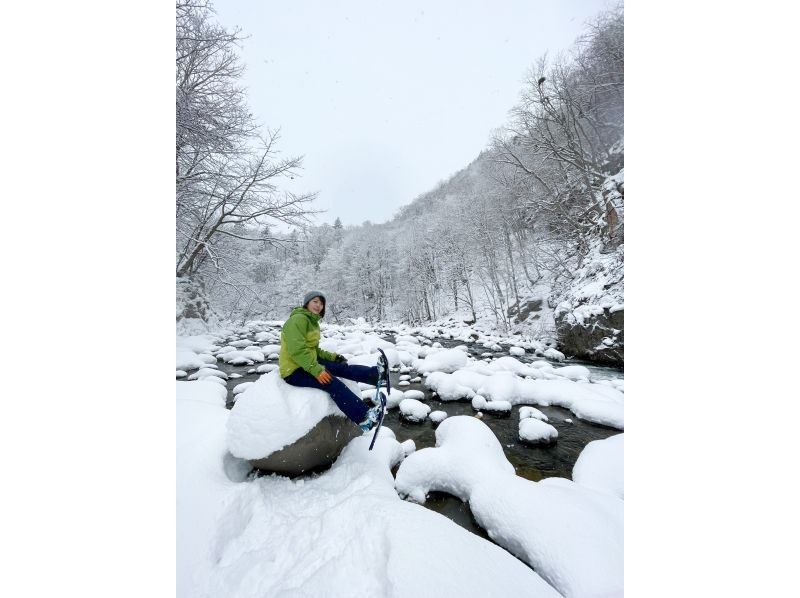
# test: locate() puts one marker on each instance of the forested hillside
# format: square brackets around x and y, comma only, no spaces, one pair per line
[527,238]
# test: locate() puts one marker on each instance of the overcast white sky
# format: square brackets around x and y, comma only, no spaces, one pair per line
[386,100]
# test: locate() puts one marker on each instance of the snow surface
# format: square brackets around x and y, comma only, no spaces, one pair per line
[571,535]
[205,475]
[600,466]
[347,533]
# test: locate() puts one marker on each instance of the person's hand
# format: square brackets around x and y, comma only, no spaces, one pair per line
[340,359]
[324,377]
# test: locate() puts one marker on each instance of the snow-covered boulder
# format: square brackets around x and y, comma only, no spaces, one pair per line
[527,411]
[601,466]
[480,403]
[554,354]
[413,410]
[535,431]
[438,417]
[206,372]
[414,394]
[287,429]
[516,351]
[445,360]
[241,357]
[570,535]
[573,372]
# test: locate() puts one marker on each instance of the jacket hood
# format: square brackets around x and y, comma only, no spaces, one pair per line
[308,313]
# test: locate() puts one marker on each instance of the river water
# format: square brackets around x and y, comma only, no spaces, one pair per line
[532,462]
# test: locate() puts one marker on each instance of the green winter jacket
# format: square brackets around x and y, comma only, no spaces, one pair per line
[300,344]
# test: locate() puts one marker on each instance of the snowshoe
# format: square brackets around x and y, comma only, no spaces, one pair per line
[381,411]
[383,372]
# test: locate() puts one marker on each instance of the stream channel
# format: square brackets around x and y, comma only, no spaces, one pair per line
[531,462]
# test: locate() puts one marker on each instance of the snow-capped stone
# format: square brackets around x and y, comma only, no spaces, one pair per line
[446,360]
[526,411]
[573,372]
[266,368]
[240,388]
[554,354]
[414,394]
[535,431]
[284,428]
[180,374]
[530,519]
[437,416]
[414,410]
[408,447]
[242,357]
[206,372]
[600,466]
[516,351]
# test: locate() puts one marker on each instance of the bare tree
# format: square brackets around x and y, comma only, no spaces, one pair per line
[226,172]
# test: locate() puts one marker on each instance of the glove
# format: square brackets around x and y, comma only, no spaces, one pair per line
[324,377]
[340,359]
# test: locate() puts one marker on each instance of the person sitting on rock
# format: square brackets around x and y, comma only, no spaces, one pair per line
[303,363]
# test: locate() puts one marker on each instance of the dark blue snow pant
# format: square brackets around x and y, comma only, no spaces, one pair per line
[351,405]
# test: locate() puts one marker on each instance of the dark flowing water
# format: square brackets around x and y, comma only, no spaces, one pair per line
[531,462]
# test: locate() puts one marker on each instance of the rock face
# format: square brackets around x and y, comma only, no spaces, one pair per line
[193,313]
[599,338]
[521,312]
[316,450]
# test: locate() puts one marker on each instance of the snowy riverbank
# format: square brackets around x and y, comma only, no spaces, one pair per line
[347,531]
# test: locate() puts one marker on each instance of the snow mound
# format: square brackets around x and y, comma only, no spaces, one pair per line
[517,351]
[205,474]
[572,536]
[601,466]
[307,537]
[272,414]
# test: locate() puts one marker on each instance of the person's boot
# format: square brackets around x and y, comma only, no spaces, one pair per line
[373,415]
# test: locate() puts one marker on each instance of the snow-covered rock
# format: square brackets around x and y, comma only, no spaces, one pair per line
[480,403]
[437,417]
[241,357]
[414,410]
[601,466]
[414,394]
[570,535]
[535,431]
[445,360]
[284,428]
[527,411]
[206,372]
[516,351]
